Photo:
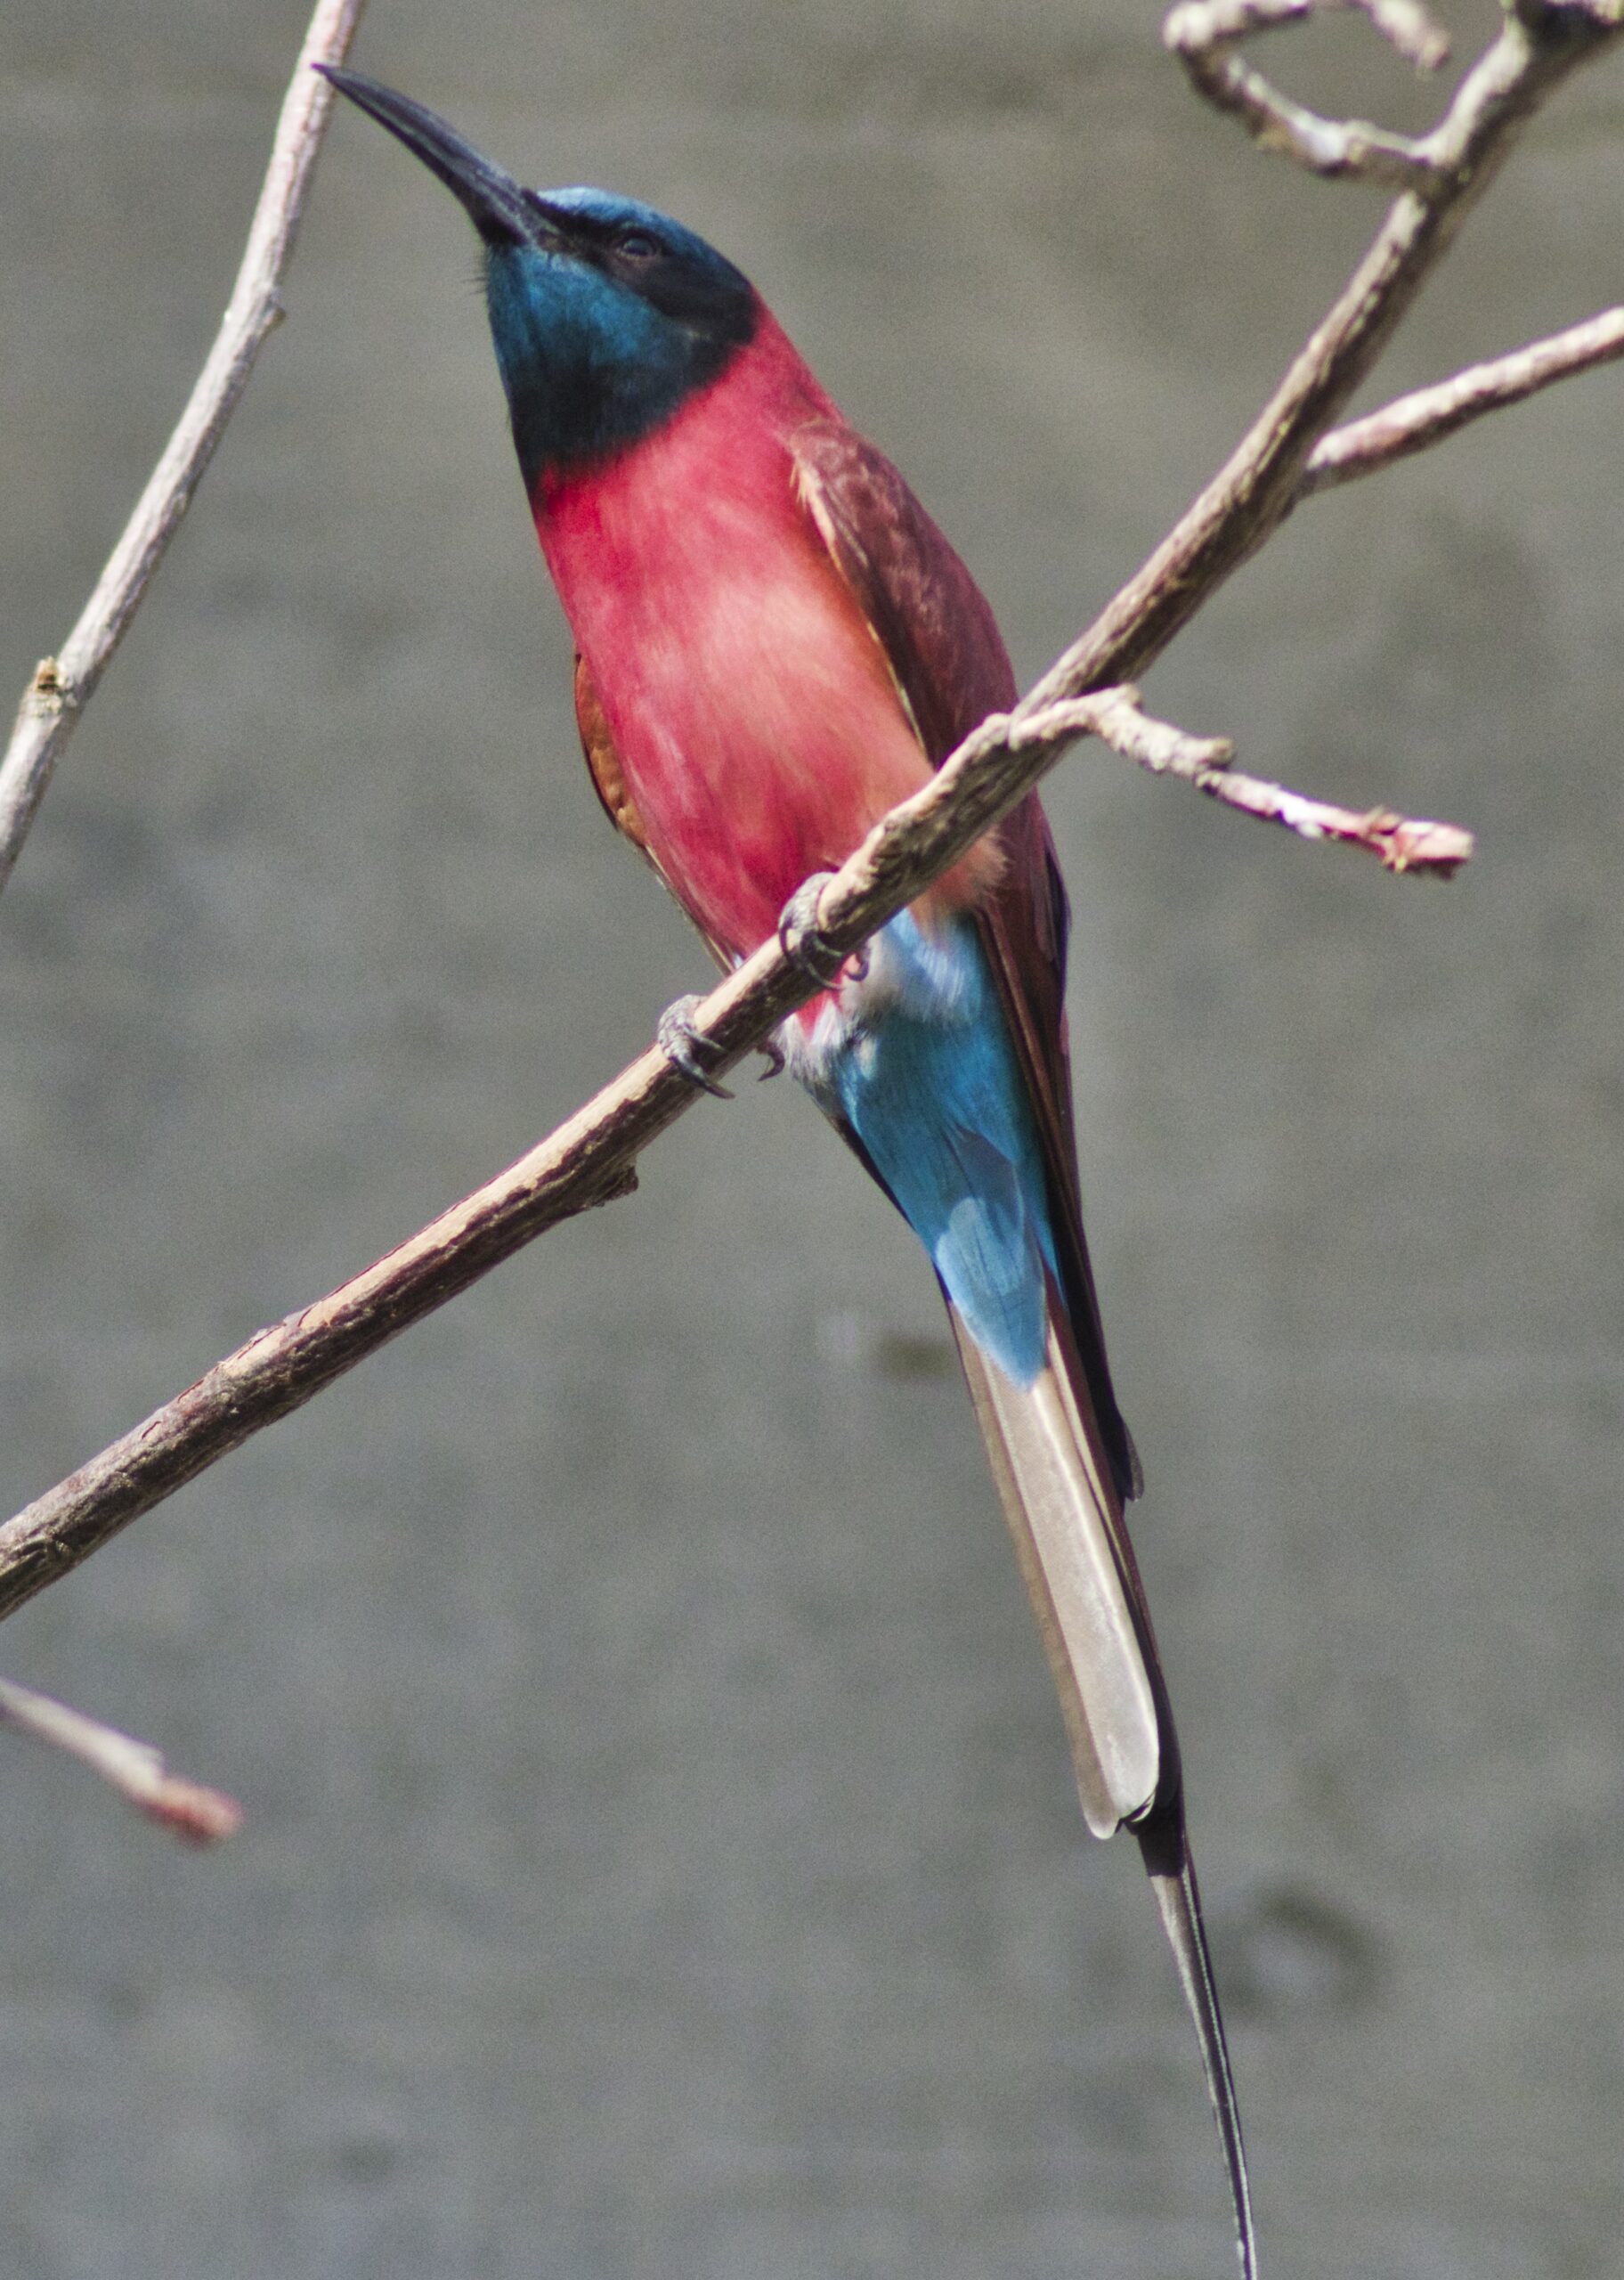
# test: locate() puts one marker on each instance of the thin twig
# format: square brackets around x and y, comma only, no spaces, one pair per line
[1414,422]
[592,1157]
[1399,842]
[63,685]
[134,1769]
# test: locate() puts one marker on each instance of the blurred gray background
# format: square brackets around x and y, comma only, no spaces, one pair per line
[661,1858]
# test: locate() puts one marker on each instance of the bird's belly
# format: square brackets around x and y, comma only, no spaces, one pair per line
[759,732]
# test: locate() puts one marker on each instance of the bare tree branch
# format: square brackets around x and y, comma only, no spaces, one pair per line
[1203,34]
[1414,422]
[592,1157]
[134,1769]
[63,685]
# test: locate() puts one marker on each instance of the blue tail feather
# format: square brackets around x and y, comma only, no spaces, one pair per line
[917,1060]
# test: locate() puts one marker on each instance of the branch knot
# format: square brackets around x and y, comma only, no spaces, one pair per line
[50,694]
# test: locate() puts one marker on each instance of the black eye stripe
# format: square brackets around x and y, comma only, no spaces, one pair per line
[597,239]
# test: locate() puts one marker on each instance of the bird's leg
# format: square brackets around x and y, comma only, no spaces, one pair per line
[802,943]
[685,1048]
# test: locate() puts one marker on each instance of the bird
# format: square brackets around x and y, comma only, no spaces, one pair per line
[774,645]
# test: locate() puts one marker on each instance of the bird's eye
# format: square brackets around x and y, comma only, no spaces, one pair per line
[636,245]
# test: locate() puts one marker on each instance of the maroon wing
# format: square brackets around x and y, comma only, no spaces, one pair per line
[949,662]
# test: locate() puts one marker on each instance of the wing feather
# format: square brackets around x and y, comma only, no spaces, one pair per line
[604,766]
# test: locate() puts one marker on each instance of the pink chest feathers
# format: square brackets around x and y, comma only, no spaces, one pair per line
[756,719]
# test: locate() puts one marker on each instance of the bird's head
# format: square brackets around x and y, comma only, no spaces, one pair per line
[605,314]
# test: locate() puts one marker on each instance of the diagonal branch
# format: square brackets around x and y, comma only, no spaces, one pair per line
[134,1769]
[63,685]
[592,1158]
[1414,422]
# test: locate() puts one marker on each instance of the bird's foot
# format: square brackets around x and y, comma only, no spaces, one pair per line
[772,1053]
[687,1049]
[802,942]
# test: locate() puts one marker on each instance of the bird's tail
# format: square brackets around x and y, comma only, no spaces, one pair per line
[1055,1484]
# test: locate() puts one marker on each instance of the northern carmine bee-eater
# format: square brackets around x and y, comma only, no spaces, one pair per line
[774,644]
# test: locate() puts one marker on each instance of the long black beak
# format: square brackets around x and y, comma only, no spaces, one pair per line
[497,206]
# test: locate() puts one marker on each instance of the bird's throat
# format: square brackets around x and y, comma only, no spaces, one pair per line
[588,368]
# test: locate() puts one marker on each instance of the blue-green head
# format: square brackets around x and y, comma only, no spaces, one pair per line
[607,315]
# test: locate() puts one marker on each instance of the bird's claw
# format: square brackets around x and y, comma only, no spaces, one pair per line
[800,937]
[772,1053]
[685,1048]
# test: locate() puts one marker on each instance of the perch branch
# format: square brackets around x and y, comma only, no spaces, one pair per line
[63,685]
[134,1769]
[592,1157]
[1414,422]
